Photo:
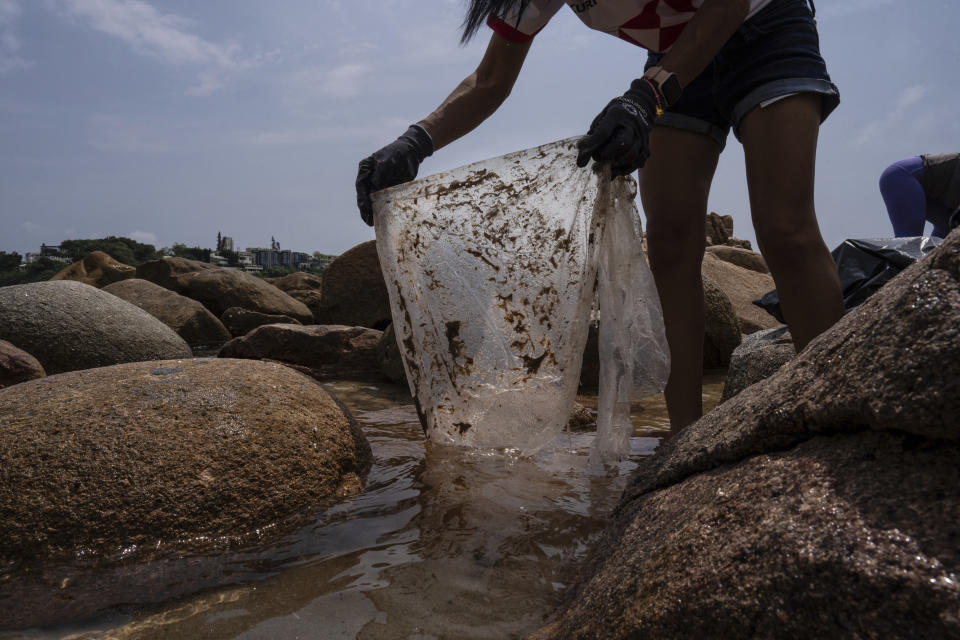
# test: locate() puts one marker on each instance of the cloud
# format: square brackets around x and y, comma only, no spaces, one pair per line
[10,59]
[116,134]
[384,129]
[906,99]
[163,36]
[306,88]
[839,8]
[144,237]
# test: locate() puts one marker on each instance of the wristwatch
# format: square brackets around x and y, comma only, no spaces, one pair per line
[666,83]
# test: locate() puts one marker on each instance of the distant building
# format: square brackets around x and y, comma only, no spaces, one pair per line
[50,252]
[267,258]
[226,244]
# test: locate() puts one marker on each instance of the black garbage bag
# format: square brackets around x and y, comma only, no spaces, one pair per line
[865,265]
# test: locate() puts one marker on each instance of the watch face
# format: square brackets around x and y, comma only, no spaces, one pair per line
[671,89]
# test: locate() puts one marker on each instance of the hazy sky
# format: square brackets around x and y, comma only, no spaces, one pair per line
[170,120]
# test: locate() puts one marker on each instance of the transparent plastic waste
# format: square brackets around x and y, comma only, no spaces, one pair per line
[492,270]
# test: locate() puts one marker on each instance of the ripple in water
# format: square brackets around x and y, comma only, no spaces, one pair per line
[444,542]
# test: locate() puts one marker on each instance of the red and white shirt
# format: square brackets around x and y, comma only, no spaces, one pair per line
[651,24]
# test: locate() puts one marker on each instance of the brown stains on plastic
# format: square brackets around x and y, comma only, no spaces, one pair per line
[462,362]
[533,364]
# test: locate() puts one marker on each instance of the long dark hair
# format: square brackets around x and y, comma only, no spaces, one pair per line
[479,10]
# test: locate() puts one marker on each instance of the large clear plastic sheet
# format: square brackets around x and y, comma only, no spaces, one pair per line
[492,271]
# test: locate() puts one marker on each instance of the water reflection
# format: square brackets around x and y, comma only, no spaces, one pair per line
[443,542]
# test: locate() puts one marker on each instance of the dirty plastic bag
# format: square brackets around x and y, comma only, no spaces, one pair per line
[491,271]
[634,357]
[864,265]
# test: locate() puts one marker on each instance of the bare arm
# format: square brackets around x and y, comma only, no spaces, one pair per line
[479,95]
[703,37]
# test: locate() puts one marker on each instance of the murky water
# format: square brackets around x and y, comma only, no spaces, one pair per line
[443,542]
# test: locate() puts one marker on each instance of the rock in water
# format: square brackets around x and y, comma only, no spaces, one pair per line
[190,319]
[164,458]
[68,325]
[240,322]
[171,450]
[822,502]
[325,351]
[97,269]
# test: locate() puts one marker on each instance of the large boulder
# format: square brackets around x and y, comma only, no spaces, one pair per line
[219,289]
[721,326]
[757,358]
[69,325]
[191,320]
[16,365]
[305,287]
[166,271]
[311,298]
[742,286]
[297,281]
[354,292]
[155,460]
[97,269]
[821,502]
[740,257]
[719,228]
[240,322]
[324,351]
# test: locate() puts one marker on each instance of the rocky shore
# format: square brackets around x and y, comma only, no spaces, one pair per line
[819,500]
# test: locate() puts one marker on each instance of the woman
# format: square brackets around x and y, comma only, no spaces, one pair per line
[753,65]
[920,189]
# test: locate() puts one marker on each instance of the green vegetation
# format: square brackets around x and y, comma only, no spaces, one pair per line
[232,257]
[181,250]
[122,250]
[37,271]
[10,261]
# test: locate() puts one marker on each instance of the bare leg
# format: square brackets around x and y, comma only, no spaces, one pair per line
[674,186]
[780,148]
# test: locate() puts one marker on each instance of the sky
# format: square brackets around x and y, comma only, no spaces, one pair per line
[171,120]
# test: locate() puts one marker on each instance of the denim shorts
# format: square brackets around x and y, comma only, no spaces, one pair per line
[773,54]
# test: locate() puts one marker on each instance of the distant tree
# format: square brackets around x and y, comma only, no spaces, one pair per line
[219,242]
[37,271]
[121,249]
[181,250]
[233,258]
[10,261]
[275,272]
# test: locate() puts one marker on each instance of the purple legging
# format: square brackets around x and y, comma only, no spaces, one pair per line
[907,204]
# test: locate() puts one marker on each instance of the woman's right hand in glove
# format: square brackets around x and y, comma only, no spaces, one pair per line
[394,164]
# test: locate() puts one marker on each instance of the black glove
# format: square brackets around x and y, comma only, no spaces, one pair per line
[396,163]
[621,133]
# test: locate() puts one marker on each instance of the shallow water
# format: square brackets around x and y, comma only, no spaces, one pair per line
[443,542]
